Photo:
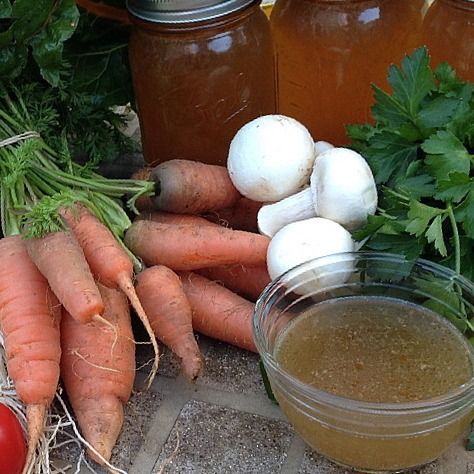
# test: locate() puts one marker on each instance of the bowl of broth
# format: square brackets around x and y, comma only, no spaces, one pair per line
[368,357]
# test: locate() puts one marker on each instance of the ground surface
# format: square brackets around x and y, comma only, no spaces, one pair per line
[224,424]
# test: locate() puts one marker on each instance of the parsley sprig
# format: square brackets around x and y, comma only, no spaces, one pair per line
[421,152]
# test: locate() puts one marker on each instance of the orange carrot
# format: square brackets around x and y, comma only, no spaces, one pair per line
[192,187]
[161,292]
[242,216]
[98,371]
[163,217]
[108,261]
[218,312]
[189,247]
[246,281]
[61,260]
[29,321]
[143,203]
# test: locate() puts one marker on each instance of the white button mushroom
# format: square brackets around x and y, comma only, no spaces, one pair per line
[271,158]
[305,240]
[342,189]
[322,146]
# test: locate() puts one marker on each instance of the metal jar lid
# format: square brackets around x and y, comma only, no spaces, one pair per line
[183,11]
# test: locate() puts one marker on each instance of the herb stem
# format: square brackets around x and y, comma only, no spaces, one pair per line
[457,243]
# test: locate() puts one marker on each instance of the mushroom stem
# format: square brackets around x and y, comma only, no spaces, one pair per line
[297,207]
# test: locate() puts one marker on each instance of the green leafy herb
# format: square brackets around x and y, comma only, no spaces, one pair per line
[421,152]
[75,65]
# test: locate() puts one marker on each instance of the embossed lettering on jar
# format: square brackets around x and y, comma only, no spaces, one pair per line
[201,70]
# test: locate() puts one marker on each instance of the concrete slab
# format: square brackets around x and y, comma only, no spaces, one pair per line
[211,439]
[138,415]
[232,369]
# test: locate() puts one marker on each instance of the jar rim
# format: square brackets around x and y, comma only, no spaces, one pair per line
[183,11]
[460,394]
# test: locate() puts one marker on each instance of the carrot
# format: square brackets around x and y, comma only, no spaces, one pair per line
[29,320]
[98,371]
[218,312]
[109,263]
[192,187]
[161,292]
[246,281]
[242,216]
[189,247]
[143,203]
[61,260]
[163,217]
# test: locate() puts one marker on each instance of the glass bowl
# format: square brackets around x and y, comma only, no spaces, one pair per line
[369,436]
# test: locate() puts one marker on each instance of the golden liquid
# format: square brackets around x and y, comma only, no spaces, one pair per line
[378,350]
[329,52]
[448,32]
[197,84]
[375,350]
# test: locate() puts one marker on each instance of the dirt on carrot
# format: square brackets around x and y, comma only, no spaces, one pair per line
[161,292]
[98,371]
[246,281]
[163,217]
[218,312]
[143,203]
[241,216]
[109,263]
[189,247]
[192,187]
[29,320]
[60,258]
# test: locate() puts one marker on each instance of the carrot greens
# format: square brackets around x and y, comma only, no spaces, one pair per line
[36,180]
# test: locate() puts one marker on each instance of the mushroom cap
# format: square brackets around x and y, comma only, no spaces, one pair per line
[270,158]
[322,146]
[343,187]
[303,241]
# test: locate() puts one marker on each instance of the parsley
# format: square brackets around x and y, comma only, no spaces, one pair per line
[420,150]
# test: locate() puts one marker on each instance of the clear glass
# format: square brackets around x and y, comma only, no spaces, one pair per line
[370,437]
[330,51]
[197,84]
[448,31]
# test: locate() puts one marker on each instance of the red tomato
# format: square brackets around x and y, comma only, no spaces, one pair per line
[12,443]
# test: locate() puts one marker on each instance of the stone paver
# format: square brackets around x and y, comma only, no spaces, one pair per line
[218,440]
[232,369]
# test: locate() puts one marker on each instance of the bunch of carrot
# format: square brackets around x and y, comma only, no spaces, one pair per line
[65,314]
[63,228]
[206,262]
[64,292]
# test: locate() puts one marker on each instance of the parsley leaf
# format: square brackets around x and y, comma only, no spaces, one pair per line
[411,83]
[420,149]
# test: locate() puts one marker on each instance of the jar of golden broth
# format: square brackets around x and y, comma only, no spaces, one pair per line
[201,70]
[448,31]
[330,51]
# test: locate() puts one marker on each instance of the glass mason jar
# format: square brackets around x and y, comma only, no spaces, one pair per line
[201,69]
[448,31]
[370,436]
[330,51]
